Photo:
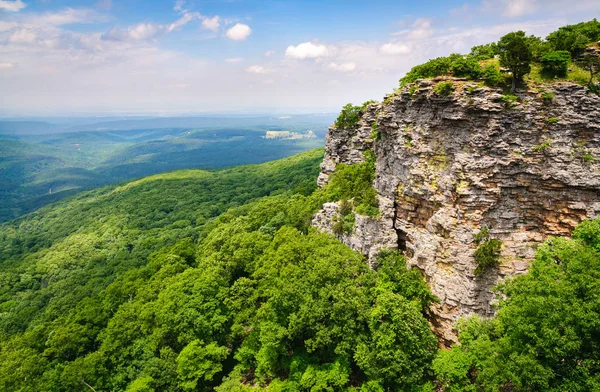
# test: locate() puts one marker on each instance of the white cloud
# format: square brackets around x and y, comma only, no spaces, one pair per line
[234,60]
[12,6]
[22,36]
[306,50]
[147,31]
[212,24]
[269,53]
[258,69]
[394,49]
[519,8]
[138,32]
[185,19]
[6,65]
[239,32]
[65,17]
[179,6]
[515,8]
[344,67]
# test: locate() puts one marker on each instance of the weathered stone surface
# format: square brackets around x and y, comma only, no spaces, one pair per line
[448,166]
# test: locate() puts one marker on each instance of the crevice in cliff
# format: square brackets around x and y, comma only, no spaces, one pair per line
[401,241]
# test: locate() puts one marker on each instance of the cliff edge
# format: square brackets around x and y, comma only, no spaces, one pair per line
[451,162]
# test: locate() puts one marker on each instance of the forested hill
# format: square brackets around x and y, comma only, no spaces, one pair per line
[202,281]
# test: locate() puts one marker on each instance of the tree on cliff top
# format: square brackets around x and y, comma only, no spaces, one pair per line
[515,55]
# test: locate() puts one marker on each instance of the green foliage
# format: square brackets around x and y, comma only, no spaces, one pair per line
[574,38]
[466,66]
[349,116]
[484,52]
[487,254]
[553,120]
[375,135]
[36,170]
[444,88]
[591,63]
[510,100]
[515,54]
[520,55]
[556,63]
[542,147]
[344,221]
[544,337]
[547,96]
[119,298]
[491,74]
[355,182]
[455,64]
[587,157]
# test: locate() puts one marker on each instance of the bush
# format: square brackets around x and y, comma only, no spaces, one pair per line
[556,63]
[487,254]
[466,66]
[355,182]
[542,147]
[547,96]
[484,52]
[574,38]
[492,75]
[510,100]
[455,64]
[443,88]
[349,116]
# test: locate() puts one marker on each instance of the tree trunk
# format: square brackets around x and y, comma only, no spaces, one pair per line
[513,88]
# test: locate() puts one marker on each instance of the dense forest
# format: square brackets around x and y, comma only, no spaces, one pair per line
[199,280]
[41,162]
[196,280]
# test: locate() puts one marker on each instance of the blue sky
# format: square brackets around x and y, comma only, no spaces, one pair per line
[66,57]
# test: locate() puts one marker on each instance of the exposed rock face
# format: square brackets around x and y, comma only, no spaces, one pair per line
[448,166]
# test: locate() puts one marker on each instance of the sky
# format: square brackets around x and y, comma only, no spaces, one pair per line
[180,57]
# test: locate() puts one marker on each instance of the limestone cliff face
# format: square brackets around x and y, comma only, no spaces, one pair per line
[449,165]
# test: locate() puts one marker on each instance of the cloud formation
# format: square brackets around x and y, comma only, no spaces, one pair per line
[238,32]
[344,67]
[306,50]
[394,49]
[258,69]
[12,5]
[212,24]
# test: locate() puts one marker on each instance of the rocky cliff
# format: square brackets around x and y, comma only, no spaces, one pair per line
[449,165]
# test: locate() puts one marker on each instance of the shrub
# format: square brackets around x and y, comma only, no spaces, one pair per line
[553,120]
[542,147]
[466,66]
[509,100]
[492,75]
[349,116]
[556,63]
[574,38]
[355,182]
[487,254]
[375,135]
[547,96]
[344,221]
[484,52]
[443,88]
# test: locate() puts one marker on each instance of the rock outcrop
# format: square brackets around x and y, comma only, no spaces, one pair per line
[447,166]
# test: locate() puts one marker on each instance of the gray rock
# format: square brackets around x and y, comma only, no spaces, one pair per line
[448,166]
